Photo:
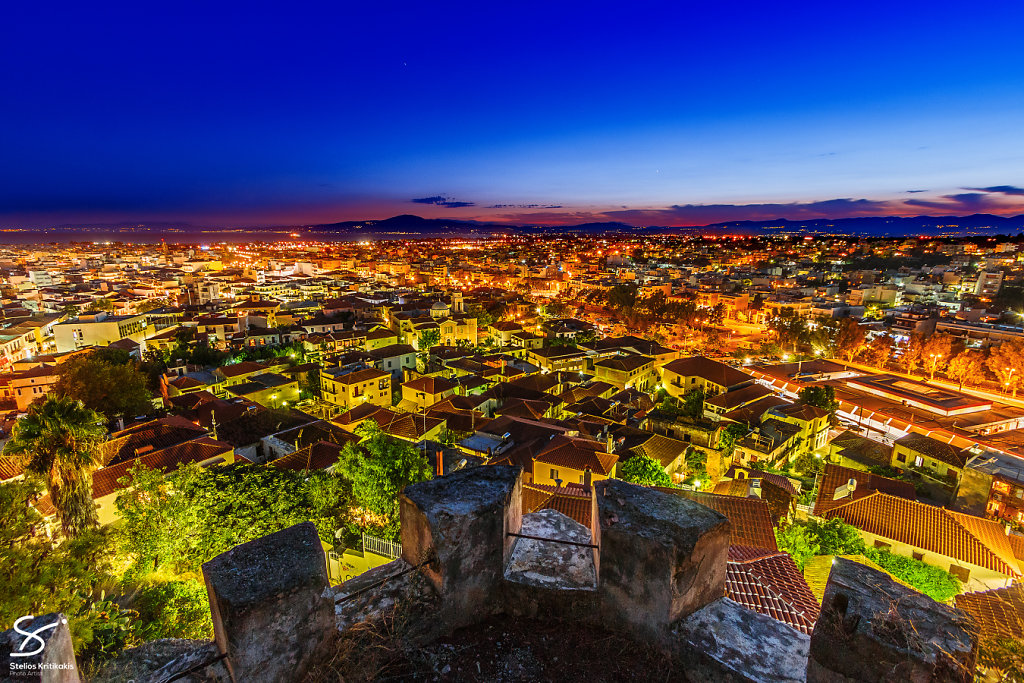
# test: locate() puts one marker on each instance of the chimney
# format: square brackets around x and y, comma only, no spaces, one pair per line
[440,462]
[754,490]
[586,485]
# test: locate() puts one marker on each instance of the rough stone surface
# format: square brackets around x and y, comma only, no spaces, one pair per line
[724,641]
[271,604]
[55,663]
[374,603]
[662,556]
[217,672]
[158,660]
[461,522]
[874,629]
[553,565]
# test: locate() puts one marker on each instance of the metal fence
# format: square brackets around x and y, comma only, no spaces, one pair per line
[382,547]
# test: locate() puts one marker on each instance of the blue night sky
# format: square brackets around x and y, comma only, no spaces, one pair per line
[653,114]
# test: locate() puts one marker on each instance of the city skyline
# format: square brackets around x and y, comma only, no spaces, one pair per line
[539,116]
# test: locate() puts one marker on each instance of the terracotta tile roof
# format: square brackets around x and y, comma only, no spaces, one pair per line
[577,454]
[749,518]
[710,370]
[969,539]
[147,437]
[664,449]
[998,613]
[771,584]
[106,481]
[934,448]
[732,399]
[836,477]
[521,407]
[783,482]
[357,376]
[9,468]
[430,385]
[318,456]
[407,426]
[573,501]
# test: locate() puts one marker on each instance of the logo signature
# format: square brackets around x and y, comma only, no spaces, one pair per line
[33,635]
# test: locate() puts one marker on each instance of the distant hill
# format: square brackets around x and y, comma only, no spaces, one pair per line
[880,225]
[408,225]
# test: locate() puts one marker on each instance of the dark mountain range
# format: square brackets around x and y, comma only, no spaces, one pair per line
[410,226]
[979,223]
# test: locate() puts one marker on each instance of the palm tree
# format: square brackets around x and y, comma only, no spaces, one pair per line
[58,439]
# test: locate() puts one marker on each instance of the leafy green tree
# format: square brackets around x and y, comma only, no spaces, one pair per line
[696,464]
[693,403]
[39,575]
[379,468]
[58,439]
[110,389]
[807,463]
[99,305]
[803,540]
[1006,361]
[644,470]
[179,608]
[197,513]
[936,352]
[429,339]
[820,396]
[150,305]
[728,437]
[879,351]
[934,582]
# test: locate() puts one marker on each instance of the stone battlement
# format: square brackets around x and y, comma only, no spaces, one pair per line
[652,566]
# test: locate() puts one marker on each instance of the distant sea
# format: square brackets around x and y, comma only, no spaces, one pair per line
[155,236]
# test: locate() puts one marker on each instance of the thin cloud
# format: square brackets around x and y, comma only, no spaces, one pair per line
[440,200]
[1000,189]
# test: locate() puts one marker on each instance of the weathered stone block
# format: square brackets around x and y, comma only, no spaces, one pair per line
[461,523]
[52,658]
[874,629]
[662,556]
[725,642]
[549,565]
[271,603]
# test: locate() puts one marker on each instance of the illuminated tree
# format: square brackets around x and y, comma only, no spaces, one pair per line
[849,339]
[965,366]
[935,352]
[879,351]
[644,470]
[58,439]
[910,353]
[1007,362]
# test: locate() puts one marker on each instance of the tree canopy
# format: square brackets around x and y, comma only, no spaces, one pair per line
[644,470]
[58,439]
[115,390]
[379,467]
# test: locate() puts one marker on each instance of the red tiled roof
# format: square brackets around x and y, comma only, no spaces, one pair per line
[430,385]
[573,501]
[577,454]
[836,476]
[750,520]
[318,456]
[771,584]
[107,480]
[998,612]
[969,539]
[9,468]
